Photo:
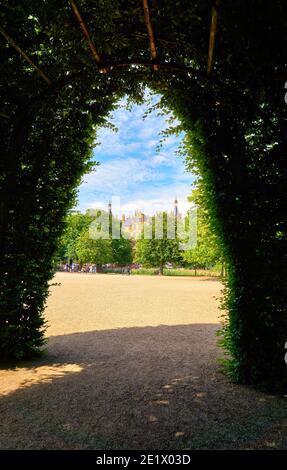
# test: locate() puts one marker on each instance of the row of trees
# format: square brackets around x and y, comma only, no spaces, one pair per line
[77,245]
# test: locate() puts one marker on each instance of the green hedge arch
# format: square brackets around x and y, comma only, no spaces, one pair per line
[58,83]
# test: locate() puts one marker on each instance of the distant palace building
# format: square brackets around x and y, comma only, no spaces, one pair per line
[133,225]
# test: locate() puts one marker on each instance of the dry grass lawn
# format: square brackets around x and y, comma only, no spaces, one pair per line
[87,302]
[132,363]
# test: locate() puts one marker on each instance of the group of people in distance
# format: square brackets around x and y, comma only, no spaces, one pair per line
[91,268]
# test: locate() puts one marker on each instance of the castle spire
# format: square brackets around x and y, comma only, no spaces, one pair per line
[175,211]
[110,208]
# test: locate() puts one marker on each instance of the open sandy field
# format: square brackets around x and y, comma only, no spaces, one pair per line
[132,363]
[87,302]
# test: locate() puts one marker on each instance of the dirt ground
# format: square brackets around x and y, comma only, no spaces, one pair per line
[132,363]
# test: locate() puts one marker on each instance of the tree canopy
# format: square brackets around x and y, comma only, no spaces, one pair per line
[77,244]
[93,251]
[156,251]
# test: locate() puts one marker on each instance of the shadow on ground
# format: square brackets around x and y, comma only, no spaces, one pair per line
[135,388]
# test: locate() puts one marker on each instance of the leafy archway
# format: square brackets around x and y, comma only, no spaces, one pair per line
[221,68]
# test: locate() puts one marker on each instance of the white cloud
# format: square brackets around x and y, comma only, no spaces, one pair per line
[121,174]
[133,133]
[160,159]
[167,159]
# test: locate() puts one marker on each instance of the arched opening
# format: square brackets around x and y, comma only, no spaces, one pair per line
[65,65]
[132,184]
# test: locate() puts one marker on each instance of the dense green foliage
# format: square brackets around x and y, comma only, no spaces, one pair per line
[157,251]
[122,251]
[206,253]
[235,121]
[76,223]
[93,251]
[78,246]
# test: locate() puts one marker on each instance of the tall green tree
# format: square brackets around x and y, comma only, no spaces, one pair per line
[97,251]
[122,251]
[76,223]
[206,252]
[154,251]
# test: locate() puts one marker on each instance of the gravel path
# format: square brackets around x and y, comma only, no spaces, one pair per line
[132,364]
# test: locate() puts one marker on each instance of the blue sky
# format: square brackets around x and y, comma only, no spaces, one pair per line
[132,169]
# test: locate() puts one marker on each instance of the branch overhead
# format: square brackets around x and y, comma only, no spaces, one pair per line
[212,36]
[150,32]
[86,32]
[4,115]
[25,56]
